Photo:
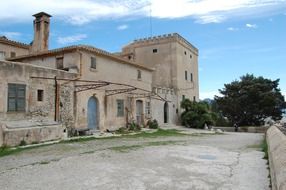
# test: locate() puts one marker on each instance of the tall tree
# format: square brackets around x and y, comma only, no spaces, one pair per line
[250,100]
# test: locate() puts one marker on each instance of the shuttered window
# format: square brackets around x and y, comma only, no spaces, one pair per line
[16,97]
[93,62]
[120,108]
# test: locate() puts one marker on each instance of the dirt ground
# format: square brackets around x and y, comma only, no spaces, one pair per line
[210,161]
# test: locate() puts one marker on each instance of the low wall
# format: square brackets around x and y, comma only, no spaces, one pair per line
[277,157]
[261,129]
[14,137]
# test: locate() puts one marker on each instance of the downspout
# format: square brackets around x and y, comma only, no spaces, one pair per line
[57,99]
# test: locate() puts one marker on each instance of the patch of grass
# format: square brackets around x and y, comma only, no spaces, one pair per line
[162,143]
[125,149]
[79,140]
[44,162]
[158,133]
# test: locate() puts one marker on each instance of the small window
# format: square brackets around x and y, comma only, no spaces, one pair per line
[12,54]
[40,95]
[60,62]
[183,97]
[194,98]
[139,75]
[2,55]
[191,56]
[186,75]
[155,50]
[93,62]
[120,108]
[185,53]
[16,97]
[191,77]
[129,57]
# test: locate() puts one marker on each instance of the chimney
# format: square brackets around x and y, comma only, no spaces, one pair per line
[41,32]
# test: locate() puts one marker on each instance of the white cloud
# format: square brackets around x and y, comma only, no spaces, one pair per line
[251,26]
[11,35]
[84,11]
[71,39]
[232,29]
[122,27]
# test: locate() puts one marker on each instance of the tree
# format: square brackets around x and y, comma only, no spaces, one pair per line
[250,100]
[196,114]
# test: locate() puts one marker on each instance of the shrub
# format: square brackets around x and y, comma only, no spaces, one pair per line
[134,127]
[153,124]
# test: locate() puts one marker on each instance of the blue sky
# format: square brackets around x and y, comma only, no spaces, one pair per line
[234,37]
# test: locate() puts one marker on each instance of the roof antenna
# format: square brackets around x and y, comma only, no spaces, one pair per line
[151,27]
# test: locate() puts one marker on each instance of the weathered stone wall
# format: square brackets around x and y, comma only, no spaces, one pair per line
[11,48]
[172,57]
[260,129]
[14,137]
[277,157]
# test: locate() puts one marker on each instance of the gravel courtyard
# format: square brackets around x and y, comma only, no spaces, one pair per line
[210,161]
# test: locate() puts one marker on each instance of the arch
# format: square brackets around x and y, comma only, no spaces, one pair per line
[166,112]
[92,113]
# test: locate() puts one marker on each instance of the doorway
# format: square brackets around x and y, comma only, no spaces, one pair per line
[139,112]
[92,113]
[166,112]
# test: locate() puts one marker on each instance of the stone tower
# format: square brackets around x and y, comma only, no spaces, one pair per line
[41,32]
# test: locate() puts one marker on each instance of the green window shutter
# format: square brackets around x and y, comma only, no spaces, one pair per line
[120,108]
[93,63]
[16,97]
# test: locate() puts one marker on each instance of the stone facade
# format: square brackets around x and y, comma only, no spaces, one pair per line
[176,67]
[9,48]
[84,87]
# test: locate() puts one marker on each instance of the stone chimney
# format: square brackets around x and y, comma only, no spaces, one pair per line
[41,32]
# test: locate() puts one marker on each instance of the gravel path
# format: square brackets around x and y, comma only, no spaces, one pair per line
[228,161]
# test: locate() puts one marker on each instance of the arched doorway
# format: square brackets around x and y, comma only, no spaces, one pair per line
[166,112]
[92,113]
[139,112]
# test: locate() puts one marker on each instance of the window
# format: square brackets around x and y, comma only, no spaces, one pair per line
[40,95]
[155,50]
[16,97]
[129,57]
[191,56]
[2,55]
[194,98]
[148,108]
[183,97]
[138,74]
[60,62]
[185,53]
[93,62]
[186,75]
[12,54]
[191,77]
[120,108]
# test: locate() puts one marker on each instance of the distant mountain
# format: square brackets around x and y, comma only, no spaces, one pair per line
[208,100]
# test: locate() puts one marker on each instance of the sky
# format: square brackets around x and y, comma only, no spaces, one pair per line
[234,37]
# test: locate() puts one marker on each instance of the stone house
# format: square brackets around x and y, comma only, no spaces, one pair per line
[83,87]
[176,71]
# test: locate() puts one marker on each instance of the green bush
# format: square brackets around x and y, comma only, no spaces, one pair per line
[153,124]
[134,127]
[197,114]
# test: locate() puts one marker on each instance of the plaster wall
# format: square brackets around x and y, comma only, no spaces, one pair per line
[9,48]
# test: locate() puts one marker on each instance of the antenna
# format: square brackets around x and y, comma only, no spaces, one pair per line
[151,27]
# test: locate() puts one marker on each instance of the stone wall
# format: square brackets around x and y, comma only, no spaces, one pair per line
[16,136]
[277,157]
[261,129]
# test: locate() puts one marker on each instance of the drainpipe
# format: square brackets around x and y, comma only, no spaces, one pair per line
[57,99]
